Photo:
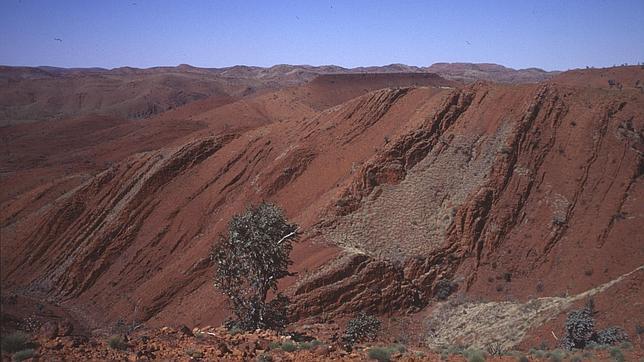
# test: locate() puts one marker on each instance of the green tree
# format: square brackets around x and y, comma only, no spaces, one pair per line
[250,261]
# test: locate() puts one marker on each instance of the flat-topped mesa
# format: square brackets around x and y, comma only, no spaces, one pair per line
[383,80]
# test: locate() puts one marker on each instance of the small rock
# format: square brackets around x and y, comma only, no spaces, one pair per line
[223,348]
[55,344]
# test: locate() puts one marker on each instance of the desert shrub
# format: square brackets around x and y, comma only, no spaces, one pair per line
[23,355]
[232,327]
[379,354]
[626,345]
[617,355]
[398,348]
[611,335]
[580,330]
[454,349]
[597,346]
[556,355]
[249,263]
[309,345]
[495,349]
[298,337]
[474,355]
[576,358]
[443,289]
[14,342]
[580,327]
[639,329]
[117,342]
[539,353]
[304,346]
[361,328]
[288,346]
[123,328]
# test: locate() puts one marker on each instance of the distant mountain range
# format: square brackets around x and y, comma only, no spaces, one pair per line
[466,72]
[37,93]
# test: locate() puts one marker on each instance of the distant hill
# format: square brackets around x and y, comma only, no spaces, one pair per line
[470,72]
[37,93]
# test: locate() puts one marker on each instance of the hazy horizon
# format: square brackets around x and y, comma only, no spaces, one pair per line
[138,33]
[269,66]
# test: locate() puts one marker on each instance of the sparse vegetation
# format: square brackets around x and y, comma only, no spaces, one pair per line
[611,336]
[379,354]
[474,355]
[362,328]
[23,355]
[249,263]
[288,346]
[309,345]
[626,345]
[398,348]
[580,330]
[233,328]
[495,349]
[14,342]
[117,342]
[556,355]
[443,289]
[539,353]
[617,355]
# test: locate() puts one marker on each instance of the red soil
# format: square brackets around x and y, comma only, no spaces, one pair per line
[425,182]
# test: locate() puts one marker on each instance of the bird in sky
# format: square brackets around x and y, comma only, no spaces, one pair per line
[58,39]
[468,43]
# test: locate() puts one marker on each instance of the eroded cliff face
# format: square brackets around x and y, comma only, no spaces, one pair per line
[508,192]
[134,240]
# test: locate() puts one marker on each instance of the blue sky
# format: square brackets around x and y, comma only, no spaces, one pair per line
[144,33]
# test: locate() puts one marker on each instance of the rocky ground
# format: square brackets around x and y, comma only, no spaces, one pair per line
[219,344]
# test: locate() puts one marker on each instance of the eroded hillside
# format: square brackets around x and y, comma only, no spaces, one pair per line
[400,183]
